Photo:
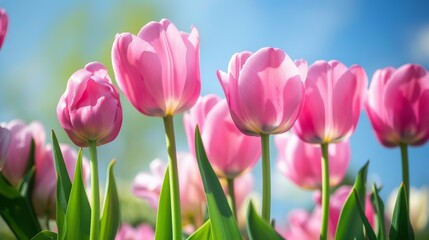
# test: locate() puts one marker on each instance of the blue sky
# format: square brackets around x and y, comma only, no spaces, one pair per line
[373,34]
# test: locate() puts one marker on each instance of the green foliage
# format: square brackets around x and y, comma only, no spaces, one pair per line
[222,221]
[258,228]
[401,227]
[45,235]
[110,219]
[202,233]
[378,207]
[164,227]
[368,229]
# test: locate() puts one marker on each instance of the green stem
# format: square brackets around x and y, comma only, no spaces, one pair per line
[325,192]
[405,171]
[173,177]
[231,193]
[95,195]
[266,177]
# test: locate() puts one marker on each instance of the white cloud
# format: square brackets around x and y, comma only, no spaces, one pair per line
[420,45]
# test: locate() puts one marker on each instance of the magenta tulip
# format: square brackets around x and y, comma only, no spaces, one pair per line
[158,70]
[141,232]
[4,145]
[90,109]
[18,153]
[264,91]
[45,183]
[334,96]
[229,151]
[4,22]
[398,105]
[300,161]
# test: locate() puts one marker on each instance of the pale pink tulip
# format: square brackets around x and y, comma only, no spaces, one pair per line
[300,161]
[141,232]
[264,91]
[158,70]
[19,148]
[4,22]
[45,182]
[229,151]
[334,96]
[148,185]
[90,108]
[4,144]
[398,105]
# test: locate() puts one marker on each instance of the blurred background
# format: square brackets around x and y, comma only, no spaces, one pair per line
[49,40]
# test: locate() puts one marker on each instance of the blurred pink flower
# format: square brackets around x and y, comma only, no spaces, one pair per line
[158,70]
[334,95]
[45,182]
[229,151]
[90,108]
[300,161]
[4,22]
[4,144]
[264,90]
[141,232]
[398,105]
[19,148]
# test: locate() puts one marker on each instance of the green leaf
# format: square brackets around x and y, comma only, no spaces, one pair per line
[17,211]
[368,229]
[350,224]
[78,214]
[401,227]
[63,183]
[202,233]
[258,228]
[26,186]
[111,213]
[378,206]
[222,221]
[45,235]
[164,228]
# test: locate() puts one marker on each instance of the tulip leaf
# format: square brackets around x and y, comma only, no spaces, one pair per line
[401,227]
[368,228]
[26,186]
[111,213]
[222,221]
[78,214]
[378,207]
[17,211]
[164,228]
[258,228]
[202,233]
[350,225]
[63,183]
[45,235]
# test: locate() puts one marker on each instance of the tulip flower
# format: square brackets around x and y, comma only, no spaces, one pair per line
[4,22]
[159,72]
[334,96]
[18,153]
[4,145]
[398,107]
[265,92]
[141,232]
[90,109]
[45,184]
[300,161]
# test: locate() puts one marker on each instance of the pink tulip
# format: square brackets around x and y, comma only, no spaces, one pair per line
[90,108]
[19,149]
[45,183]
[398,105]
[192,196]
[4,22]
[142,232]
[158,70]
[4,145]
[334,96]
[300,161]
[264,91]
[229,151]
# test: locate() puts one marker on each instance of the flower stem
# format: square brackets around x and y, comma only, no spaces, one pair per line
[173,177]
[231,193]
[325,192]
[95,192]
[266,177]
[405,171]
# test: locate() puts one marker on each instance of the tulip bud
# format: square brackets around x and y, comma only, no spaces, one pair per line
[90,108]
[4,22]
